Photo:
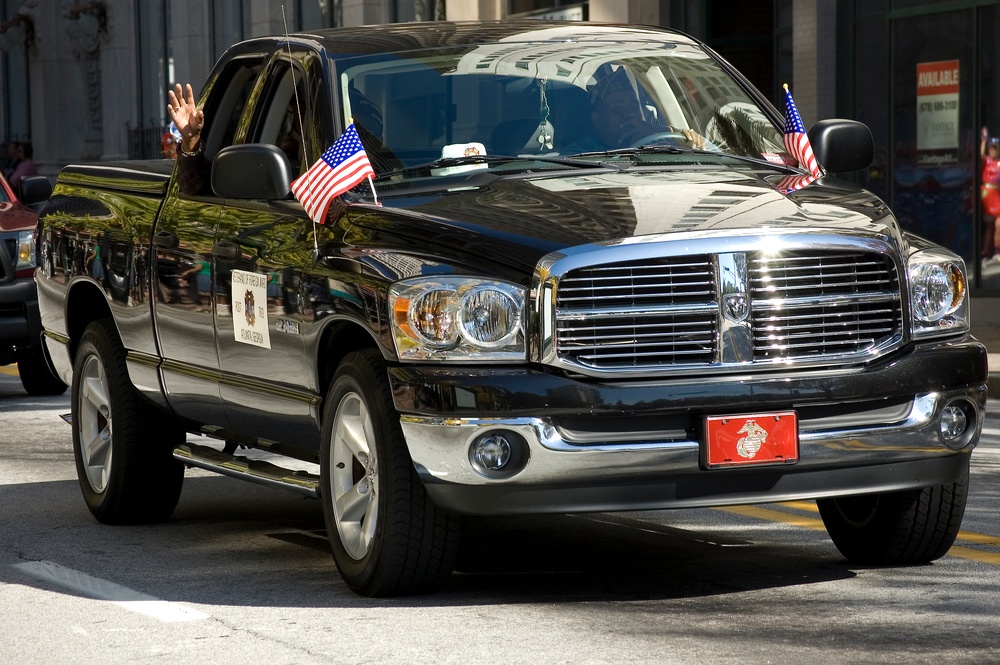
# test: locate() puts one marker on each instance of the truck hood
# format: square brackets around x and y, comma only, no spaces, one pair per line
[514,221]
[16,217]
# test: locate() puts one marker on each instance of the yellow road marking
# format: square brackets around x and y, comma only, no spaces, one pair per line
[10,370]
[776,516]
[974,555]
[817,524]
[979,538]
[809,506]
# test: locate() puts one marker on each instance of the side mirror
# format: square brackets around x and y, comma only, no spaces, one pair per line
[35,190]
[252,171]
[842,146]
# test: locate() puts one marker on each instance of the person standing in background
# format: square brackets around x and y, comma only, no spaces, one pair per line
[12,158]
[989,149]
[25,165]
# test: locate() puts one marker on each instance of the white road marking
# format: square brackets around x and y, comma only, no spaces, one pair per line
[94,587]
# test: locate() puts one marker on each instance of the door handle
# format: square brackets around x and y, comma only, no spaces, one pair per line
[165,240]
[226,250]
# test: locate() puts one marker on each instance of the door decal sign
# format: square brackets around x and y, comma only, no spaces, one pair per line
[249,298]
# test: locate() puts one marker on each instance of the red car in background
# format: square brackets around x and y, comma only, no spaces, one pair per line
[20,327]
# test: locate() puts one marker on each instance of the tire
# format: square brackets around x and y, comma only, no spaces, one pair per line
[122,448]
[897,528]
[387,536]
[36,375]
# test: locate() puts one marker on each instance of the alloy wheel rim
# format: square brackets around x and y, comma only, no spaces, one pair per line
[354,476]
[95,424]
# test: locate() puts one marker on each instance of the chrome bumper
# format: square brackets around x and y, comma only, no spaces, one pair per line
[439,448]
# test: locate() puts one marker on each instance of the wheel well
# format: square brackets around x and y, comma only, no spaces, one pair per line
[84,304]
[338,340]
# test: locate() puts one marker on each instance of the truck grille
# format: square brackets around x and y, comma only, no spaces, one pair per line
[735,309]
[822,304]
[8,260]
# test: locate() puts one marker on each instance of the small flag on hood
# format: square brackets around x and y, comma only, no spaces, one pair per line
[796,140]
[341,167]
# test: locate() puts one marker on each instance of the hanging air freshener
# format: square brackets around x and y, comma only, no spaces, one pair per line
[541,139]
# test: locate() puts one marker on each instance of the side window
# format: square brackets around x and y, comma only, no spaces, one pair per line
[285,109]
[226,102]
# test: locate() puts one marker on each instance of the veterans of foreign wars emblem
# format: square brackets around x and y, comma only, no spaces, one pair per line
[248,308]
[748,445]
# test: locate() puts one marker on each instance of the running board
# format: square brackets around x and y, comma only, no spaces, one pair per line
[244,468]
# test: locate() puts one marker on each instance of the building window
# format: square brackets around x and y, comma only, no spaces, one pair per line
[155,61]
[15,115]
[782,50]
[406,11]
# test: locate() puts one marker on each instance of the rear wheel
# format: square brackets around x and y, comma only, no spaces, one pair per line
[36,375]
[122,448]
[895,528]
[387,536]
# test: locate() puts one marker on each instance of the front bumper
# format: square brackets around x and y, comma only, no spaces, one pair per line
[636,445]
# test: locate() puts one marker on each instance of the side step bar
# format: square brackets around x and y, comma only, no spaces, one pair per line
[244,468]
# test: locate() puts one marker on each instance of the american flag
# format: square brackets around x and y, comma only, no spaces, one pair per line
[342,166]
[796,141]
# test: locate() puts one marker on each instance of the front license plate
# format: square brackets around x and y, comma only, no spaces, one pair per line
[760,438]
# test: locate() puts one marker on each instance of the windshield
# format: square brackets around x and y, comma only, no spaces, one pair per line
[548,99]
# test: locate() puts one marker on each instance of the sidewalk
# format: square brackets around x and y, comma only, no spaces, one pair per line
[986,328]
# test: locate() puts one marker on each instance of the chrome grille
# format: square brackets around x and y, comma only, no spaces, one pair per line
[8,262]
[639,313]
[818,304]
[664,313]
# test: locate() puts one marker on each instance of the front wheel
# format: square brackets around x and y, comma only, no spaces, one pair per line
[122,449]
[387,537]
[897,528]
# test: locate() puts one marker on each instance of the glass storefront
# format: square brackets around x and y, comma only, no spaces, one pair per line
[933,137]
[925,80]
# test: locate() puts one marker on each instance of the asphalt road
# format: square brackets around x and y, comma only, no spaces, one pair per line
[243,574]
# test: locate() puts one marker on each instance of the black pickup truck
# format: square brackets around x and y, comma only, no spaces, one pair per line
[587,276]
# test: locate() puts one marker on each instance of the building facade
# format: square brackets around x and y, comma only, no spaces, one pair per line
[87,80]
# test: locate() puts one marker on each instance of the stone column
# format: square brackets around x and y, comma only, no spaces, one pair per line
[814,59]
[642,12]
[265,18]
[118,74]
[87,28]
[475,10]
[365,12]
[191,41]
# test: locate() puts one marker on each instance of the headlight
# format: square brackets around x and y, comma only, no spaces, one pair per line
[25,250]
[939,302]
[457,318]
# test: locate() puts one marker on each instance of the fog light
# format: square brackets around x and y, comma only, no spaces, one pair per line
[499,454]
[954,423]
[492,452]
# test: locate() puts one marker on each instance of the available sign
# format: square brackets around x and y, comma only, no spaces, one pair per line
[937,112]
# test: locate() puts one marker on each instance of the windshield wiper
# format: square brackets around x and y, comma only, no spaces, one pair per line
[445,162]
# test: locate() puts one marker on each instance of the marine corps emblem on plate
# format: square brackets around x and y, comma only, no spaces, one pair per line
[751,439]
[755,437]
